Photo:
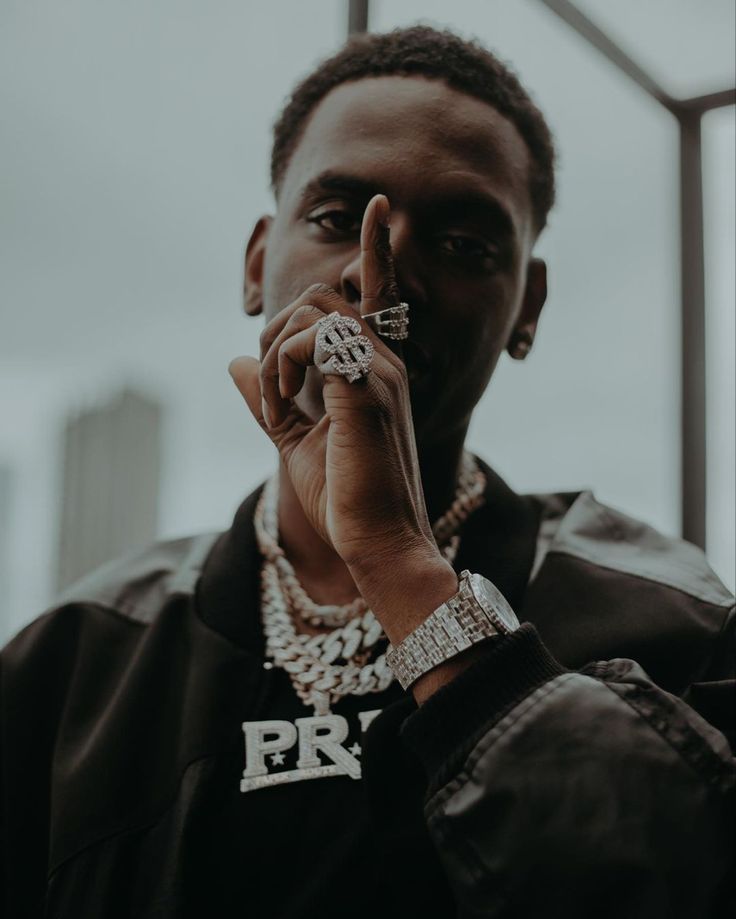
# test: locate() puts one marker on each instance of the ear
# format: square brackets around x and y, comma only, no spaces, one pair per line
[255,253]
[535,294]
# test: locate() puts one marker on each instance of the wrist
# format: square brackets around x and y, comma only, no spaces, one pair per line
[446,642]
[405,587]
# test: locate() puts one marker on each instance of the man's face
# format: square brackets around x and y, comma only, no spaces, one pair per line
[455,172]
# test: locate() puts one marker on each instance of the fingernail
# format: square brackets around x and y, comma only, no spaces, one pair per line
[265,412]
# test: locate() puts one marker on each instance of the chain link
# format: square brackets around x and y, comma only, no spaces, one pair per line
[351,658]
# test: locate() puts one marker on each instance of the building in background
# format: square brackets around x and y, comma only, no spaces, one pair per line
[109,495]
[128,200]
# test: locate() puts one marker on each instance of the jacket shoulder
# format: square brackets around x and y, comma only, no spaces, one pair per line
[606,585]
[137,585]
[582,527]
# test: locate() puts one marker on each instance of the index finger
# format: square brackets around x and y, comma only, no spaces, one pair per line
[378,287]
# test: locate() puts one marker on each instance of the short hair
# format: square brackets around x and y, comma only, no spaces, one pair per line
[439,54]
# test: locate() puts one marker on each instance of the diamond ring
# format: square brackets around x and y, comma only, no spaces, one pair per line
[393,322]
[340,348]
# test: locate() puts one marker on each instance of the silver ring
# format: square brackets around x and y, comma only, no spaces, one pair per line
[340,349]
[393,322]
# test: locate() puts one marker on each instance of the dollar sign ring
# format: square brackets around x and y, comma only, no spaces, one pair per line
[340,349]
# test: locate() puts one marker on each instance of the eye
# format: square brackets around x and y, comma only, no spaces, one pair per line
[468,247]
[337,221]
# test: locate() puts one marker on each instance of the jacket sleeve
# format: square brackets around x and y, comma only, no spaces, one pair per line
[576,793]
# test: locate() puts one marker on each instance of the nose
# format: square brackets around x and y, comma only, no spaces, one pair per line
[409,265]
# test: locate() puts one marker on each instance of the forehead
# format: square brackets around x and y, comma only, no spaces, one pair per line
[409,135]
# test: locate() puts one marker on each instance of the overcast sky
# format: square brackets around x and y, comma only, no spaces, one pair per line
[135,143]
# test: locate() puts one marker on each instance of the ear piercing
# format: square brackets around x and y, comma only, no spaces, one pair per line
[520,346]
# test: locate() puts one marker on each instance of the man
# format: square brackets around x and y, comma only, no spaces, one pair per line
[214,728]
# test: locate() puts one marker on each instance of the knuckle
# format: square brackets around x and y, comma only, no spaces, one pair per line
[376,412]
[284,358]
[381,407]
[384,409]
[388,290]
[395,374]
[305,315]
[385,292]
[264,339]
[321,290]
[267,373]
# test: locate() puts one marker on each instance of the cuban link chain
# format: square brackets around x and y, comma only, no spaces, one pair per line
[323,668]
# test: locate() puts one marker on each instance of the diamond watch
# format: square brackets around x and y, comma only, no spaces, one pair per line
[477,611]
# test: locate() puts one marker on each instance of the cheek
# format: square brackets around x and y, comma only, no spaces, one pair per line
[473,337]
[281,283]
[495,322]
[479,327]
[291,266]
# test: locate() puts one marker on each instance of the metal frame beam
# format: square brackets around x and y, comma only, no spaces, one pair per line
[709,101]
[357,17]
[689,114]
[596,37]
[692,324]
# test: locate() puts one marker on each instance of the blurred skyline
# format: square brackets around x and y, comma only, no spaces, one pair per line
[136,143]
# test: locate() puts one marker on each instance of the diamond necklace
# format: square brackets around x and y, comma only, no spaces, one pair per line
[468,495]
[323,668]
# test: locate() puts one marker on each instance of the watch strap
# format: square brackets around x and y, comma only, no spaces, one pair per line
[454,626]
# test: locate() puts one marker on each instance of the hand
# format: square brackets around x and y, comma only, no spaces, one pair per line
[355,470]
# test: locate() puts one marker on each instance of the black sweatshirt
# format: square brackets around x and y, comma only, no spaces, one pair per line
[562,774]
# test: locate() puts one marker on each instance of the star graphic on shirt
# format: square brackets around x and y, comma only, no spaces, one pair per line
[355,749]
[277,759]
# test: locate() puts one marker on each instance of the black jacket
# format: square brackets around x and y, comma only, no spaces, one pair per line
[581,768]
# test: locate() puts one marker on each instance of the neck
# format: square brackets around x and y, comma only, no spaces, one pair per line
[322,572]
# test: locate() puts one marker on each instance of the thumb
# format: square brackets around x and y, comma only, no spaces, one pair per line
[245,373]
[286,435]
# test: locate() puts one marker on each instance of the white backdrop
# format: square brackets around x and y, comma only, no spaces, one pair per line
[136,142]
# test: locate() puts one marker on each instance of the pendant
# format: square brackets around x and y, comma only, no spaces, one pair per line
[321,702]
[320,747]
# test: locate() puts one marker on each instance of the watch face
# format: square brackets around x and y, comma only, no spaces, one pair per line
[494,603]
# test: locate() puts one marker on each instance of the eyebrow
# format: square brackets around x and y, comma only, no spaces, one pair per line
[478,204]
[340,182]
[469,201]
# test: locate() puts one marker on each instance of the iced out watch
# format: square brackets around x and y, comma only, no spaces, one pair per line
[477,611]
